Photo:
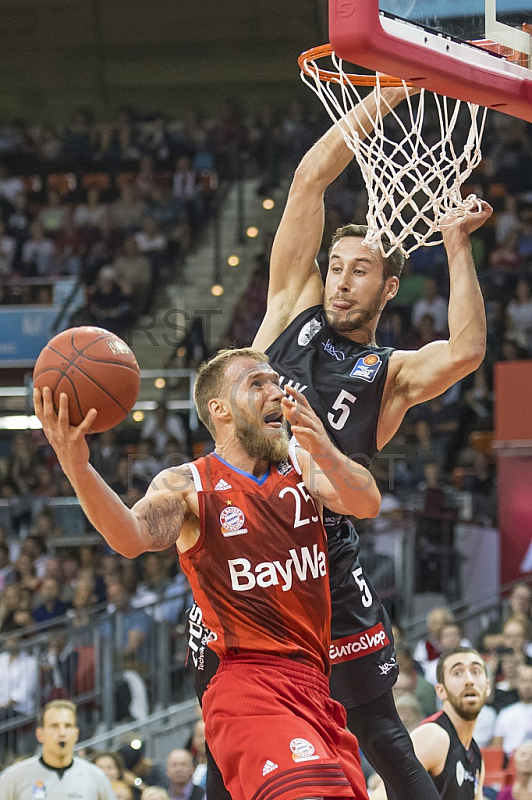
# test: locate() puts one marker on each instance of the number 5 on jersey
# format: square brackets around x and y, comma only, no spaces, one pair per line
[367,599]
[340,404]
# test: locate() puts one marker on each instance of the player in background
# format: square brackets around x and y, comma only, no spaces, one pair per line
[247,522]
[322,340]
[444,742]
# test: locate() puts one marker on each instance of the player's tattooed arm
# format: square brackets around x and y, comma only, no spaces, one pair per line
[163,510]
[164,517]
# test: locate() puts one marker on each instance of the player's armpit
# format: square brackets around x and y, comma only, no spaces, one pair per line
[431,746]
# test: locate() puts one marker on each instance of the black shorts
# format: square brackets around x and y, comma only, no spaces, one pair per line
[362,653]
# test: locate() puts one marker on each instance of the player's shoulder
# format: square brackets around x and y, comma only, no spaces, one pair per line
[175,478]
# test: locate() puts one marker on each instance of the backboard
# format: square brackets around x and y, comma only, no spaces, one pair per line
[429,42]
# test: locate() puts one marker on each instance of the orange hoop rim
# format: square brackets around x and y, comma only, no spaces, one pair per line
[353,78]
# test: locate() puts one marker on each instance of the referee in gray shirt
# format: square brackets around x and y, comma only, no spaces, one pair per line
[56,774]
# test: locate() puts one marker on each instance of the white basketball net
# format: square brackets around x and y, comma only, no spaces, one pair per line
[412,185]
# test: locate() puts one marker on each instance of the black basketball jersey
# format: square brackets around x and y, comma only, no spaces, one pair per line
[342,380]
[460,776]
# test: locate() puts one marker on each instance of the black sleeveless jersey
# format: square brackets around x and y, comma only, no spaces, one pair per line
[461,774]
[342,380]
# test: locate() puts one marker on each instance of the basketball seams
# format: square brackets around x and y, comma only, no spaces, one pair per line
[94,382]
[76,397]
[100,387]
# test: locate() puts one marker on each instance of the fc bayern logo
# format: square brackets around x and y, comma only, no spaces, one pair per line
[232,518]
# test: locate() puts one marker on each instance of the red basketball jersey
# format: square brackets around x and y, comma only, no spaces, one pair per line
[259,570]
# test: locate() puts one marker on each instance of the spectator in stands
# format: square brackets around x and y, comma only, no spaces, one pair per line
[122,476]
[481,483]
[425,450]
[22,463]
[423,691]
[11,603]
[135,269]
[7,252]
[77,142]
[154,793]
[122,790]
[136,762]
[132,630]
[91,213]
[516,634]
[519,316]
[179,771]
[157,142]
[52,216]
[10,185]
[162,426]
[58,667]
[37,252]
[172,595]
[514,723]
[409,709]
[150,240]
[197,748]
[428,650]
[44,526]
[112,764]
[146,177]
[521,787]
[111,306]
[52,606]
[129,210]
[7,573]
[35,547]
[433,305]
[25,572]
[53,569]
[18,682]
[18,222]
[105,454]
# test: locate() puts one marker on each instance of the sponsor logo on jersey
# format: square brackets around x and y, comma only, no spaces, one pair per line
[299,387]
[308,331]
[358,644]
[462,774]
[198,637]
[222,486]
[366,368]
[303,750]
[302,564]
[284,467]
[232,520]
[269,767]
[333,351]
[39,791]
[388,666]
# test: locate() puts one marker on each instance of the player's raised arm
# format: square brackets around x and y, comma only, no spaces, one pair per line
[428,372]
[155,521]
[295,280]
[337,482]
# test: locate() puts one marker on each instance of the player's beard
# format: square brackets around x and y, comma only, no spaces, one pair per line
[267,446]
[467,712]
[356,318]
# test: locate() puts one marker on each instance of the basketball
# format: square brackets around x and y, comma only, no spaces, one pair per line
[96,369]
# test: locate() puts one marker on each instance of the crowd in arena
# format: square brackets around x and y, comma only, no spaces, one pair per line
[120,205]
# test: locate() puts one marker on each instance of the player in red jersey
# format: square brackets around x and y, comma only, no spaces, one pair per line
[247,524]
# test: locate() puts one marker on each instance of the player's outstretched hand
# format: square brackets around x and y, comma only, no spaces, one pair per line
[67,440]
[305,424]
[468,222]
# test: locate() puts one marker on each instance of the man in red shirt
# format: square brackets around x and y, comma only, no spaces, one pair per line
[247,522]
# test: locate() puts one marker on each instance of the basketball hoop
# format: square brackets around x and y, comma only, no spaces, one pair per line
[412,184]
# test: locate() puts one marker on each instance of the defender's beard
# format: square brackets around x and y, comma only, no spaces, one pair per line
[273,447]
[466,711]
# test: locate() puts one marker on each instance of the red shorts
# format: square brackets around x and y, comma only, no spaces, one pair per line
[275,732]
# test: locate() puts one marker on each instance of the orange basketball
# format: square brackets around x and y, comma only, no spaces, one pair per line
[96,369]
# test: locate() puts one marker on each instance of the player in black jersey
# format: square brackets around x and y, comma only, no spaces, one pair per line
[444,742]
[321,340]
